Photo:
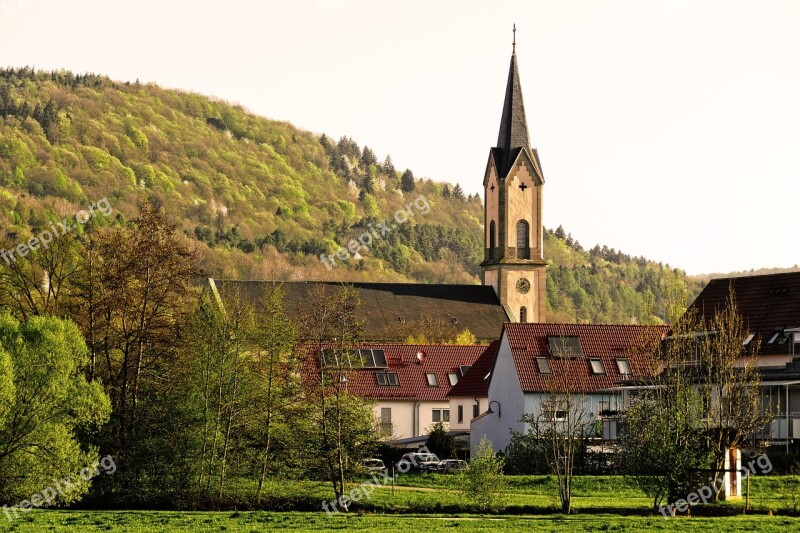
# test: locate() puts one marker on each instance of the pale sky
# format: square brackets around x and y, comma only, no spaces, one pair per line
[669,129]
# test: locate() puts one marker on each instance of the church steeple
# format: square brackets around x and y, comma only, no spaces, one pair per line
[513,125]
[514,238]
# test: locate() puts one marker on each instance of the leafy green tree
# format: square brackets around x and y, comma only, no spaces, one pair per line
[483,482]
[343,424]
[277,373]
[440,443]
[45,401]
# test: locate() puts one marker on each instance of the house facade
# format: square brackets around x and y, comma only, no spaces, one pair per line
[587,360]
[409,384]
[770,309]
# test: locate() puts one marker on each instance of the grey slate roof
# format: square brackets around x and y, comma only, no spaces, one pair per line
[475,307]
[513,134]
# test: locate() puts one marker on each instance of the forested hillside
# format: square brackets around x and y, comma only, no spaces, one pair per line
[263,199]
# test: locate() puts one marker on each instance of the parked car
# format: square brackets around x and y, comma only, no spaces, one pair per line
[452,466]
[373,465]
[424,462]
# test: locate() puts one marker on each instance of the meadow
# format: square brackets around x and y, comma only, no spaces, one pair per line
[432,502]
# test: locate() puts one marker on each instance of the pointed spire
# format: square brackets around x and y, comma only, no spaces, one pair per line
[513,125]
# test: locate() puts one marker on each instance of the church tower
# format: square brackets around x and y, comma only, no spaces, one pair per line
[513,262]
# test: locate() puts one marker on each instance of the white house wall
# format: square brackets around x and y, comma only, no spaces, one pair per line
[466,404]
[504,388]
[405,422]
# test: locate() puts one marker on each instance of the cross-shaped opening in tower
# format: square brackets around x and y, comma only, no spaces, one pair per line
[523,187]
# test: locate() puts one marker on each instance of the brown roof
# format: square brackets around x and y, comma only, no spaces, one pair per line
[402,360]
[475,382]
[606,342]
[766,303]
[383,305]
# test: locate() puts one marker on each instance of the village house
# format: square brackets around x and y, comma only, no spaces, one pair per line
[591,359]
[770,308]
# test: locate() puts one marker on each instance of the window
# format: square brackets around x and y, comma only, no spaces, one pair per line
[603,407]
[337,358]
[387,379]
[386,421]
[624,366]
[748,339]
[774,337]
[491,239]
[440,415]
[464,369]
[597,366]
[523,230]
[373,358]
[460,413]
[431,377]
[544,365]
[475,410]
[557,415]
[565,346]
[523,314]
[453,377]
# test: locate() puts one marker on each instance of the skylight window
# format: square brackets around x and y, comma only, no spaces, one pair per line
[597,366]
[544,365]
[431,377]
[387,379]
[624,367]
[465,368]
[453,377]
[774,337]
[373,358]
[748,339]
[565,346]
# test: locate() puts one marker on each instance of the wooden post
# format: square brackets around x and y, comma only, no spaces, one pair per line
[747,493]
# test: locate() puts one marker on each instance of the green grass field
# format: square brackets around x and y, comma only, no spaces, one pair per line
[432,503]
[63,521]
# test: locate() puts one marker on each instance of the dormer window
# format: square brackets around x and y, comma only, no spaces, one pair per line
[431,377]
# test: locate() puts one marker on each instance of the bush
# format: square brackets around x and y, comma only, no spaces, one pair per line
[483,482]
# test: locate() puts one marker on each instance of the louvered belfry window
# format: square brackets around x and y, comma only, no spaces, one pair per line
[523,242]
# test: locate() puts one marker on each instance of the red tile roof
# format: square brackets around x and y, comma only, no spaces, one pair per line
[766,303]
[402,360]
[475,383]
[604,341]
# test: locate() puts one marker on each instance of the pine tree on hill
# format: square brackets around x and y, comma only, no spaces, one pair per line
[407,182]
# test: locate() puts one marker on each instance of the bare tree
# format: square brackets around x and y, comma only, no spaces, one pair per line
[564,421]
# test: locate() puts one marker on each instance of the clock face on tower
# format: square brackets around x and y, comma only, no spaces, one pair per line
[523,286]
